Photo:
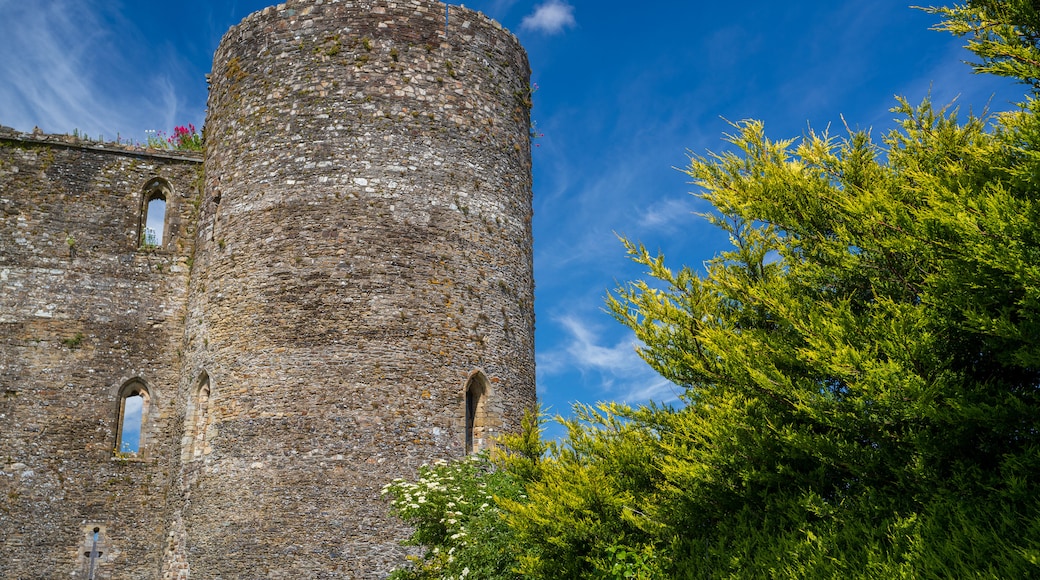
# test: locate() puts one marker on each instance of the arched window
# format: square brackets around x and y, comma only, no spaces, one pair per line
[153,218]
[477,391]
[133,416]
[199,420]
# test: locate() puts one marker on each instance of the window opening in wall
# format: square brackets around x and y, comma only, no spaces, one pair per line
[133,412]
[155,221]
[130,438]
[153,213]
[200,419]
[216,216]
[471,412]
[94,554]
[476,414]
[93,546]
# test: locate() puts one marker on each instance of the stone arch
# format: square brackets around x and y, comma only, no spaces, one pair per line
[132,435]
[152,230]
[199,419]
[477,395]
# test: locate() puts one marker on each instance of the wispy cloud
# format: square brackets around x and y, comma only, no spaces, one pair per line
[667,213]
[585,215]
[621,374]
[49,47]
[67,69]
[550,18]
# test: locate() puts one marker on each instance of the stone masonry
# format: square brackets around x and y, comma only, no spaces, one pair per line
[343,291]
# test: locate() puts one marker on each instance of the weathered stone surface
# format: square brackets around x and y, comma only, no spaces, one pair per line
[360,250]
[83,310]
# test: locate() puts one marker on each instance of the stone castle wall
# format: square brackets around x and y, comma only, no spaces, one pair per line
[359,256]
[84,310]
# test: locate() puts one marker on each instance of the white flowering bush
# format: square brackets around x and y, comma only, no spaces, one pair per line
[457,520]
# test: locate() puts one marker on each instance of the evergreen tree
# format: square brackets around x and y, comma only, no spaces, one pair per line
[861,369]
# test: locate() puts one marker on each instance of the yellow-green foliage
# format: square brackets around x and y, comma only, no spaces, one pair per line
[860,369]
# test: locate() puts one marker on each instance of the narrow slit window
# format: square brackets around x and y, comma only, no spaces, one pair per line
[476,413]
[93,548]
[154,199]
[216,216]
[155,222]
[94,553]
[133,414]
[130,436]
[200,420]
[471,414]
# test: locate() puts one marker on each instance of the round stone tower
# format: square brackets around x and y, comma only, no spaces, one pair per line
[361,293]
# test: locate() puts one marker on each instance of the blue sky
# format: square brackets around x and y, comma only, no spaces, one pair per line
[626,89]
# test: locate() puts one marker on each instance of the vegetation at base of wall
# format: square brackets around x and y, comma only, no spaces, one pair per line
[457,520]
[860,370]
[456,509]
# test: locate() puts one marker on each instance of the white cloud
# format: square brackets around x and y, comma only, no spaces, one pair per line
[551,17]
[667,213]
[75,65]
[617,359]
[583,212]
[50,46]
[623,375]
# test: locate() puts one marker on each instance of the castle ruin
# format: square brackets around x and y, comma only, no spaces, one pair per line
[338,291]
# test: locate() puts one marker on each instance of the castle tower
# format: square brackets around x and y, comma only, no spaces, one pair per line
[361,294]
